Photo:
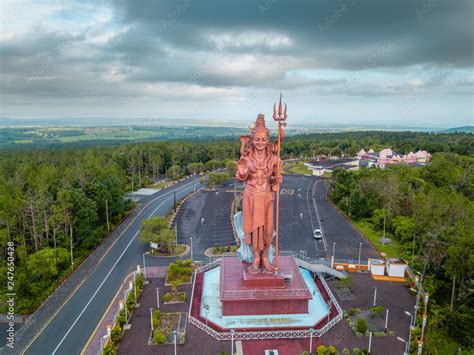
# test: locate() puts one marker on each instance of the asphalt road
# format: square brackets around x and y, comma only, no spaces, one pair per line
[70,329]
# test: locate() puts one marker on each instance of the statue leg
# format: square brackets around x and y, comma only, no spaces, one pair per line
[256,258]
[265,262]
[268,236]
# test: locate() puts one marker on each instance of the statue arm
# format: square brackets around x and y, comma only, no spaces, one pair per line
[242,169]
[276,170]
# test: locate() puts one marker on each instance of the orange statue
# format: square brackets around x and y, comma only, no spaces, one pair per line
[259,167]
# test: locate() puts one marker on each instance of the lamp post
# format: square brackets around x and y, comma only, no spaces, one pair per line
[125,305]
[333,254]
[131,285]
[406,345]
[370,343]
[191,240]
[375,295]
[311,330]
[411,328]
[360,248]
[232,332]
[206,308]
[144,265]
[174,339]
[102,343]
[151,320]
[386,321]
[158,297]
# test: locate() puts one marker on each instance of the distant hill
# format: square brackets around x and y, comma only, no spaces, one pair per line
[463,129]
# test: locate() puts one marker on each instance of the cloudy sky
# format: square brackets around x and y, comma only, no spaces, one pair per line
[407,62]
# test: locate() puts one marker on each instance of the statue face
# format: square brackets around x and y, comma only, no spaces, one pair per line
[260,141]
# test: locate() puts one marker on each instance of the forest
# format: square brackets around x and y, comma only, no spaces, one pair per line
[428,212]
[54,203]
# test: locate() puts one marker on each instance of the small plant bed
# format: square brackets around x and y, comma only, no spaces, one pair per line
[180,271]
[178,250]
[343,289]
[174,297]
[221,250]
[363,322]
[163,326]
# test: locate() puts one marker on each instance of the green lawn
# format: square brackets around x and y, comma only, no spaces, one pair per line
[299,168]
[392,250]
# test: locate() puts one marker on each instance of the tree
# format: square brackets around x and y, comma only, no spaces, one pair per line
[156,230]
[216,179]
[47,263]
[174,173]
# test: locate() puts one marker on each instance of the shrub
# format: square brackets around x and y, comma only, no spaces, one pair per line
[361,325]
[321,350]
[182,297]
[345,282]
[353,311]
[356,351]
[121,318]
[167,297]
[376,310]
[159,337]
[305,353]
[109,349]
[346,351]
[359,334]
[187,262]
[116,334]
[332,350]
[174,285]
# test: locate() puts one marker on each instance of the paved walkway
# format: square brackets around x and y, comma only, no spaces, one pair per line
[135,340]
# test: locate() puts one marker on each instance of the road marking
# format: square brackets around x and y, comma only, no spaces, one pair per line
[105,279]
[317,216]
[77,288]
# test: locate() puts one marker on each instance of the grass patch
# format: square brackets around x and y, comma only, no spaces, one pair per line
[367,228]
[180,271]
[179,249]
[163,326]
[174,297]
[299,168]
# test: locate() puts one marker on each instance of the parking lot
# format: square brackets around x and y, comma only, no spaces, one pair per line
[303,207]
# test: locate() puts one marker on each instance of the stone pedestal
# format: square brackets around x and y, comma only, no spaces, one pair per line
[245,293]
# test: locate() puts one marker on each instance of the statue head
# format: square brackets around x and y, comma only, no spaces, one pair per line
[260,134]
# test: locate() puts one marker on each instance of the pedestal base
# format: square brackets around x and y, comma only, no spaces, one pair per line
[243,293]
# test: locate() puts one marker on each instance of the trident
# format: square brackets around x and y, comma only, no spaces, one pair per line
[281,123]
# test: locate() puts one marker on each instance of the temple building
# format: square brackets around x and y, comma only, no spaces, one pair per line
[388,157]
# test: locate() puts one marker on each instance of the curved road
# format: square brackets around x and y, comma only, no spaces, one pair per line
[69,330]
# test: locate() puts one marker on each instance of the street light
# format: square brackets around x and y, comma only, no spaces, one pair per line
[360,247]
[102,343]
[406,345]
[158,297]
[151,320]
[311,330]
[232,331]
[174,336]
[144,265]
[411,328]
[375,295]
[370,343]
[333,253]
[191,239]
[206,308]
[125,305]
[386,321]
